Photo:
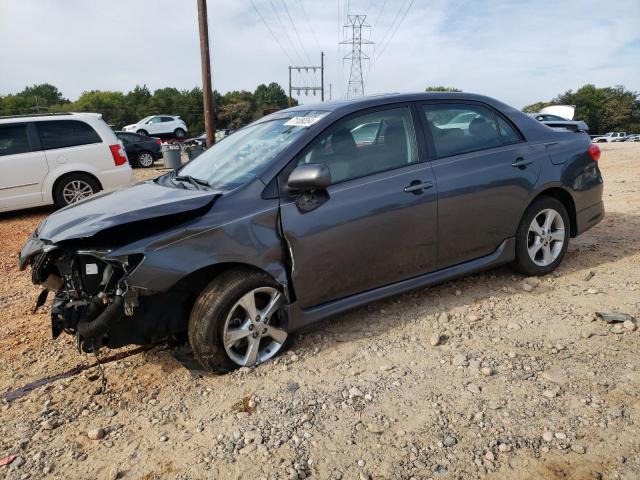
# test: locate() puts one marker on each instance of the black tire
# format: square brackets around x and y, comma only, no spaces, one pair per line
[63,182]
[206,322]
[524,263]
[142,159]
[143,132]
[179,133]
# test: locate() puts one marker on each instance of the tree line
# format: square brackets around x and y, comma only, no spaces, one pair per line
[232,110]
[604,109]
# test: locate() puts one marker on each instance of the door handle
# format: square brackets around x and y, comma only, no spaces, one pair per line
[417,187]
[521,162]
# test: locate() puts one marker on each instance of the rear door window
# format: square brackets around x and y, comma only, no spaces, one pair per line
[167,119]
[460,128]
[66,133]
[13,139]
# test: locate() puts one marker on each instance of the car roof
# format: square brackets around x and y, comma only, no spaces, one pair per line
[387,98]
[38,117]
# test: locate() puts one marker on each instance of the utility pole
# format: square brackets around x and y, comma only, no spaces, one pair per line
[330,92]
[356,23]
[205,60]
[290,99]
[305,89]
[322,76]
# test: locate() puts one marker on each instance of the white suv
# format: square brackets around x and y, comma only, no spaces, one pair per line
[60,158]
[159,125]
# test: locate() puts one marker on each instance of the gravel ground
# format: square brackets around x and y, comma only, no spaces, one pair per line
[491,376]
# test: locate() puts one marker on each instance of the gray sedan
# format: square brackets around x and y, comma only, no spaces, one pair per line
[312,211]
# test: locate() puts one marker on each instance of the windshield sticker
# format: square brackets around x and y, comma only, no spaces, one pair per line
[302,121]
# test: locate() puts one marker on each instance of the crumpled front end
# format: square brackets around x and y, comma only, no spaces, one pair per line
[91,293]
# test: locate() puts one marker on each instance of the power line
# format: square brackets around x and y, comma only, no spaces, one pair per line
[295,30]
[396,30]
[304,12]
[391,25]
[300,59]
[373,25]
[271,32]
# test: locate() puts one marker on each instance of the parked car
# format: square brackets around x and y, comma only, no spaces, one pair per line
[58,158]
[291,220]
[609,137]
[164,125]
[633,138]
[545,117]
[141,150]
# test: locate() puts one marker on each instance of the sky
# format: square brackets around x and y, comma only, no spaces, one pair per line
[519,51]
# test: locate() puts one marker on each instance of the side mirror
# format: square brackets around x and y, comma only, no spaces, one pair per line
[309,176]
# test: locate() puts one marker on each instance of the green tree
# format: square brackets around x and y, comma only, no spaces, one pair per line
[535,107]
[271,96]
[603,109]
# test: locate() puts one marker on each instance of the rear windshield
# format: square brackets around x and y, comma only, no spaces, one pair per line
[66,133]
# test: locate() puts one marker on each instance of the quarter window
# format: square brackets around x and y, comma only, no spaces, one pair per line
[13,140]
[167,119]
[66,133]
[507,132]
[461,128]
[365,145]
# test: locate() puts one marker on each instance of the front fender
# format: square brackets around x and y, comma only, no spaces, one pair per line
[252,240]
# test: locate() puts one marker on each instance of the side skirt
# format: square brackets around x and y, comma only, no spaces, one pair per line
[299,317]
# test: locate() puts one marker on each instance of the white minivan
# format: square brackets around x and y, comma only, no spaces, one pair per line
[58,158]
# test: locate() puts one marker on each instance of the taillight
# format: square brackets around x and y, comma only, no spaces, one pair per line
[119,155]
[594,152]
[158,141]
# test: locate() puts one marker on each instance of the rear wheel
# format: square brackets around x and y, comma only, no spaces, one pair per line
[74,187]
[236,321]
[542,238]
[143,132]
[145,159]
[179,133]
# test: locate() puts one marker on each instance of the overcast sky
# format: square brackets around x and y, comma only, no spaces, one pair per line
[519,51]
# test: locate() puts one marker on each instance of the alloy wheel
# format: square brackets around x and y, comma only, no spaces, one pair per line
[76,190]
[250,334]
[545,238]
[145,160]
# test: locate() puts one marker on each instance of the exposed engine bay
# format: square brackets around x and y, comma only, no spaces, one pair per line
[93,300]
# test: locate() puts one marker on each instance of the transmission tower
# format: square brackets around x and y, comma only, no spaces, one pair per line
[356,23]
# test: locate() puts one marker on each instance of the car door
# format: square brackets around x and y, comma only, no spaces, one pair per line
[169,124]
[131,143]
[73,144]
[23,165]
[155,125]
[485,171]
[378,223]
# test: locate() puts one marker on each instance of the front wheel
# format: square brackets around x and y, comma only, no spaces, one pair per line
[542,238]
[236,321]
[143,132]
[179,133]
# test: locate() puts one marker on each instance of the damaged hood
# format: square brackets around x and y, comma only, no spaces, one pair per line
[141,202]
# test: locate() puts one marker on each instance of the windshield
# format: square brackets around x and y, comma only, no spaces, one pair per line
[144,119]
[243,154]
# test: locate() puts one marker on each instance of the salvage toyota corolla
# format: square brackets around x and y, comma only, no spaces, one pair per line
[309,212]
